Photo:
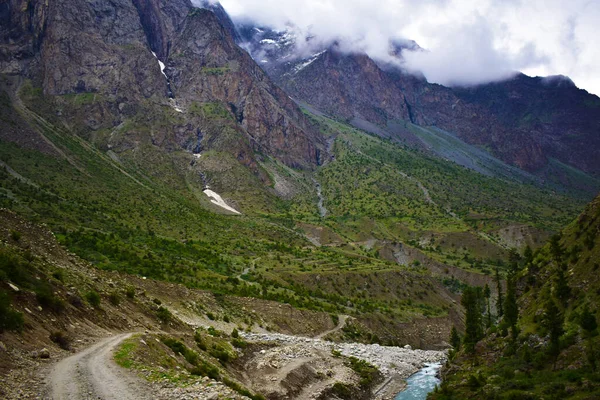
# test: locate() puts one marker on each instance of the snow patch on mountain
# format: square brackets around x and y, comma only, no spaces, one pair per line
[215,198]
[306,63]
[161,65]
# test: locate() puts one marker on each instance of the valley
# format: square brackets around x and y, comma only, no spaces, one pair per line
[222,227]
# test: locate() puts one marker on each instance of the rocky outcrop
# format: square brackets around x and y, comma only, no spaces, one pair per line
[152,65]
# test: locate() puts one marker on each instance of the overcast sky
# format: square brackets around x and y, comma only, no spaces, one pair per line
[468,41]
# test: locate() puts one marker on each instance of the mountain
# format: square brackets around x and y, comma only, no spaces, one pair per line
[103,65]
[543,126]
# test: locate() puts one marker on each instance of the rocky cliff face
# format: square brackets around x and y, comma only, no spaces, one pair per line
[524,121]
[151,64]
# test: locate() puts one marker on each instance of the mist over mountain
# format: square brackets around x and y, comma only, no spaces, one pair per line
[468,43]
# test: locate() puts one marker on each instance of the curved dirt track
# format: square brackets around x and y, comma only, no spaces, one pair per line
[93,374]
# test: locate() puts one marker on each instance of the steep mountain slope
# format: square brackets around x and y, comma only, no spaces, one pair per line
[102,65]
[554,351]
[526,122]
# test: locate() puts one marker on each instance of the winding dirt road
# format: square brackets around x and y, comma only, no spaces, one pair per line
[340,325]
[93,374]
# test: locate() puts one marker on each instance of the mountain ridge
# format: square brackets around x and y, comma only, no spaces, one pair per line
[522,120]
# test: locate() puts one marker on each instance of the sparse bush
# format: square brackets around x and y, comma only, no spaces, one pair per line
[341,390]
[205,369]
[157,301]
[47,299]
[239,343]
[164,315]
[61,339]
[14,235]
[114,298]
[220,354]
[9,319]
[130,292]
[93,298]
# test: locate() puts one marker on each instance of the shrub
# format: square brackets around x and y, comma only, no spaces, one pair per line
[242,390]
[199,341]
[366,371]
[58,275]
[130,292]
[47,299]
[235,333]
[114,298]
[205,369]
[75,300]
[335,319]
[14,235]
[61,339]
[164,315]
[93,298]
[9,319]
[239,343]
[341,390]
[220,354]
[214,332]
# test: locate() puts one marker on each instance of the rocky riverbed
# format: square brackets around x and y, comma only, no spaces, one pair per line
[395,363]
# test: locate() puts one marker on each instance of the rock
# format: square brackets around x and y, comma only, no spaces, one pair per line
[44,353]
[13,287]
[408,347]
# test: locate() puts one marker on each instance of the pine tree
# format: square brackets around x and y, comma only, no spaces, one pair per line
[499,301]
[587,321]
[487,293]
[553,321]
[556,249]
[511,309]
[455,338]
[472,302]
[562,291]
[528,255]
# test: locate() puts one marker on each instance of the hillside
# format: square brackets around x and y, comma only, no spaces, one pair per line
[555,351]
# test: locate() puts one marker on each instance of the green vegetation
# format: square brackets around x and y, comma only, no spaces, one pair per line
[143,212]
[9,319]
[123,356]
[367,372]
[551,309]
[93,298]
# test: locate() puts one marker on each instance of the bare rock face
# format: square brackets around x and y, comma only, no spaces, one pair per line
[159,67]
[524,121]
[348,86]
[207,64]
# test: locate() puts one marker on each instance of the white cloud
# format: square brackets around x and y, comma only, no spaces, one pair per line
[468,41]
